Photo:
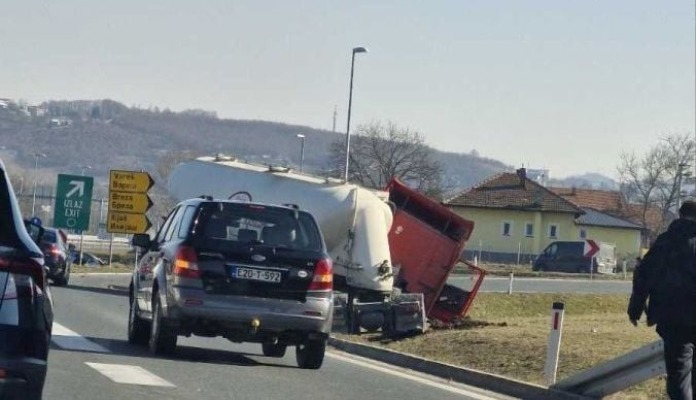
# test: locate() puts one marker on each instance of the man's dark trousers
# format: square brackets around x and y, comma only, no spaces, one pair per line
[679,343]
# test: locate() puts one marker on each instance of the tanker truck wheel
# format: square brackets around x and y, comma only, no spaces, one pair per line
[352,320]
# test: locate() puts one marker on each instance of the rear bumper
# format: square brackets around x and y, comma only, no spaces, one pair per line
[56,269]
[235,312]
[25,378]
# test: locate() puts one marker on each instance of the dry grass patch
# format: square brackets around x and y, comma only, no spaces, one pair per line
[115,267]
[508,334]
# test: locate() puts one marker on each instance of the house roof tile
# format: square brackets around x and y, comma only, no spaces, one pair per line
[513,191]
[594,217]
[603,200]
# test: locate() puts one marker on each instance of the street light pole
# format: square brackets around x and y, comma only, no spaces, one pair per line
[350,103]
[36,168]
[301,136]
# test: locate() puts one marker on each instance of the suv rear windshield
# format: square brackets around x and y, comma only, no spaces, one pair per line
[237,223]
[49,236]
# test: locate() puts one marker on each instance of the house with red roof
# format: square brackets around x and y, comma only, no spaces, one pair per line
[516,218]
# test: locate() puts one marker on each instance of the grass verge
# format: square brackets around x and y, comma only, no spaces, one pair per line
[507,335]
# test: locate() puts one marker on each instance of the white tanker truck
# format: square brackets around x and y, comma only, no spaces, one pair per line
[370,252]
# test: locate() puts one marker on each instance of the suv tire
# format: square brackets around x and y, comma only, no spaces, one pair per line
[162,337]
[310,354]
[64,278]
[138,328]
[271,349]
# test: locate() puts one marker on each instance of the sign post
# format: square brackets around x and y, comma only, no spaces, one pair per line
[73,202]
[590,250]
[128,202]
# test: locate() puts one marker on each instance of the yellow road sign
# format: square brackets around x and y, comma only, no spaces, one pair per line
[130,181]
[137,203]
[120,222]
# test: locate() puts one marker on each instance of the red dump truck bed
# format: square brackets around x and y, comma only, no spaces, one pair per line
[426,240]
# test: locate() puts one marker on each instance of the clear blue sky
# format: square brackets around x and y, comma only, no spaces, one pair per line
[564,85]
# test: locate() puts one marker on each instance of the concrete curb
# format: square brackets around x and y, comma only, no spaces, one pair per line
[498,383]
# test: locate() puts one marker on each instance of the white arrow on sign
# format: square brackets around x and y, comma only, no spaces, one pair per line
[78,186]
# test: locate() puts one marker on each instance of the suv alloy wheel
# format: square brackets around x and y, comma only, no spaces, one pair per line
[138,328]
[162,337]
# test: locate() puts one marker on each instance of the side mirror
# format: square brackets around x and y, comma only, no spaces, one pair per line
[141,240]
[35,230]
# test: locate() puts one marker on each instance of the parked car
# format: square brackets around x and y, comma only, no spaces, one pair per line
[249,272]
[568,256]
[26,309]
[88,259]
[57,255]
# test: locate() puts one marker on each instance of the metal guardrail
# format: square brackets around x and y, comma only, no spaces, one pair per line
[618,374]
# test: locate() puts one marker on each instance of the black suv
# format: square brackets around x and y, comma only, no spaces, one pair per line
[57,256]
[249,272]
[26,310]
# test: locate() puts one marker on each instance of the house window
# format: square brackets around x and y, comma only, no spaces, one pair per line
[583,233]
[553,231]
[507,228]
[529,230]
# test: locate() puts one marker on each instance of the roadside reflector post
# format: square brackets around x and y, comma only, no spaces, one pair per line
[554,344]
[476,261]
[623,268]
[512,278]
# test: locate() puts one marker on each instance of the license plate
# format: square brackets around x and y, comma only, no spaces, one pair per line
[253,274]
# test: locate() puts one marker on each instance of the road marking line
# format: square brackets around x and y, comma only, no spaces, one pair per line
[70,340]
[411,376]
[129,374]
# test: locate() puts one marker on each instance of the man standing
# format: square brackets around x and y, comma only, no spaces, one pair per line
[666,278]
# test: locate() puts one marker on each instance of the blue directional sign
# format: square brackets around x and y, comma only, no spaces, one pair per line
[73,202]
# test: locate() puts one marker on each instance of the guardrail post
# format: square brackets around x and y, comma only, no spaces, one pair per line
[554,344]
[512,277]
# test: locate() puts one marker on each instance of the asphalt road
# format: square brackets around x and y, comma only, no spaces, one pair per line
[91,359]
[545,285]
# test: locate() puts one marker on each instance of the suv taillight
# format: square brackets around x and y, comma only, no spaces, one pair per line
[323,276]
[28,267]
[186,263]
[53,249]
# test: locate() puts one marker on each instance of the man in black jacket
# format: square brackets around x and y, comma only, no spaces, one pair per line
[666,279]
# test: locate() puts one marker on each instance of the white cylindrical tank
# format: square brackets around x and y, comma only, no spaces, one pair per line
[355,221]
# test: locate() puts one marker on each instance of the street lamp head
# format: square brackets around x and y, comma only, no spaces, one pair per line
[301,136]
[359,50]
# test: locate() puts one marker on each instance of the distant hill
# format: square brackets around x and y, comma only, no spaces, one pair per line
[105,134]
[587,180]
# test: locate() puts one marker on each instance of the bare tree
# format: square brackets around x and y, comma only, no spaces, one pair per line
[163,202]
[654,181]
[167,162]
[380,152]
